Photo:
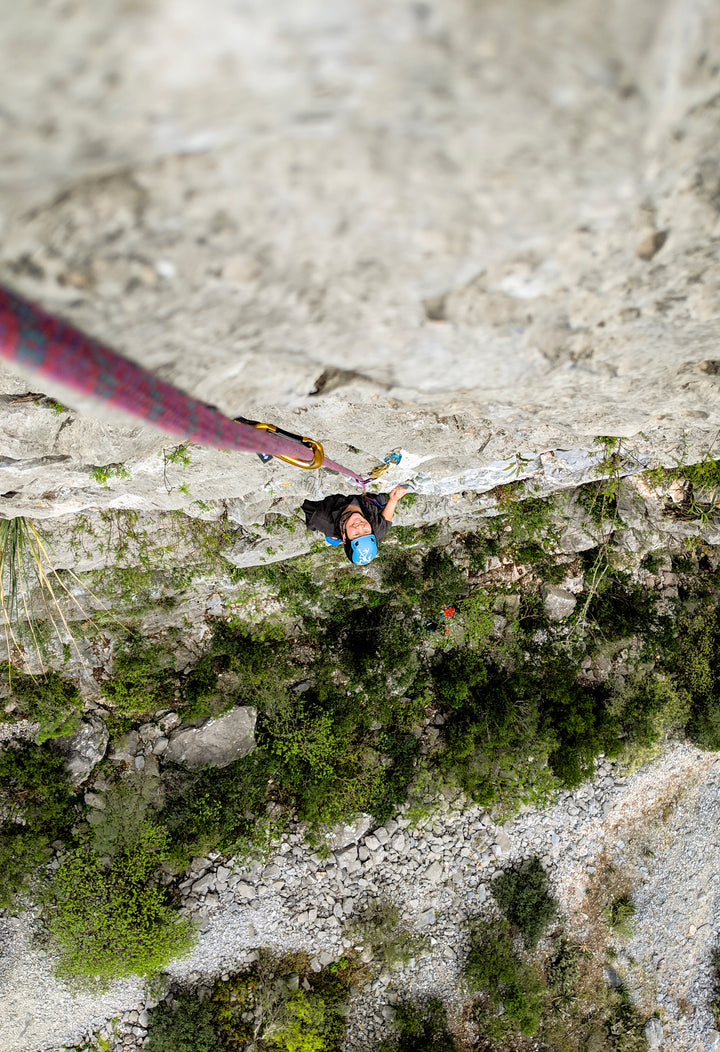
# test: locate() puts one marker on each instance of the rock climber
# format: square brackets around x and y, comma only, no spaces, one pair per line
[359,522]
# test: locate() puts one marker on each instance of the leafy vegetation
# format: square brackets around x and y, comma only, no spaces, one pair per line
[103,473]
[522,893]
[279,1004]
[111,920]
[421,1028]
[51,699]
[38,808]
[502,979]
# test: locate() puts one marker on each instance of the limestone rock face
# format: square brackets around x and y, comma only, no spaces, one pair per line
[216,743]
[470,230]
[84,749]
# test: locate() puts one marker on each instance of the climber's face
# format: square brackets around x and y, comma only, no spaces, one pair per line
[357,526]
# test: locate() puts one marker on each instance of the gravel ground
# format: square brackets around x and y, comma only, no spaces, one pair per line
[653,832]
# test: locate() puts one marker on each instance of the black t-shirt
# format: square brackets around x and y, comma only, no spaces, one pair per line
[324,515]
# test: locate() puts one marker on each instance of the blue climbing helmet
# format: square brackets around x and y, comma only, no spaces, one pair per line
[362,550]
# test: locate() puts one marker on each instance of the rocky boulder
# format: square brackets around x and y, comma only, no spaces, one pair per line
[215,743]
[84,749]
[559,602]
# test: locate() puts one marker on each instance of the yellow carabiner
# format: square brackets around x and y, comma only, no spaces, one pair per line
[318,451]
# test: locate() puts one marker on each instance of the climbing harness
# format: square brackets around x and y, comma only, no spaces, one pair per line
[38,341]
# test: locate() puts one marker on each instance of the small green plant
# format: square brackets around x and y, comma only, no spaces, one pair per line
[619,915]
[516,467]
[522,893]
[380,929]
[178,455]
[105,472]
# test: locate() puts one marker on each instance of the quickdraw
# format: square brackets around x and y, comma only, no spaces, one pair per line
[390,461]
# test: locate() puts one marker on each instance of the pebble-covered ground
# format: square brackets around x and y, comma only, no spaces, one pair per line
[654,831]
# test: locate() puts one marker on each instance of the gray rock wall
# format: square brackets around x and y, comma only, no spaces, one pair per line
[464,229]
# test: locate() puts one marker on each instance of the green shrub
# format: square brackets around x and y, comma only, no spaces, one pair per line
[421,1028]
[648,706]
[111,921]
[50,698]
[502,978]
[479,549]
[221,809]
[143,678]
[185,1026]
[522,893]
[459,675]
[695,666]
[302,1024]
[443,582]
[37,810]
[126,823]
[261,664]
[620,608]
[265,1008]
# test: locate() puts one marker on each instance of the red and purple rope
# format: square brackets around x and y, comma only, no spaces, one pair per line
[40,342]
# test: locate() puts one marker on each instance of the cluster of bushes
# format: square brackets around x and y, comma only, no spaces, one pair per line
[278,1004]
[558,996]
[516,991]
[339,707]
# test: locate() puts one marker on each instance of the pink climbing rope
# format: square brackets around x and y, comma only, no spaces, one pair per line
[51,347]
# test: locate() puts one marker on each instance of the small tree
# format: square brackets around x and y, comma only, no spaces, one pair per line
[523,896]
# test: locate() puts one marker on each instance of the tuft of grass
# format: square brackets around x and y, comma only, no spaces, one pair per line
[31,588]
[619,915]
[103,473]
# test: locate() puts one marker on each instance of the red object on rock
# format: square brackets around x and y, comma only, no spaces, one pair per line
[448,611]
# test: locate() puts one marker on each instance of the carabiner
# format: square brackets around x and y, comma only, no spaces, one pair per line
[318,451]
